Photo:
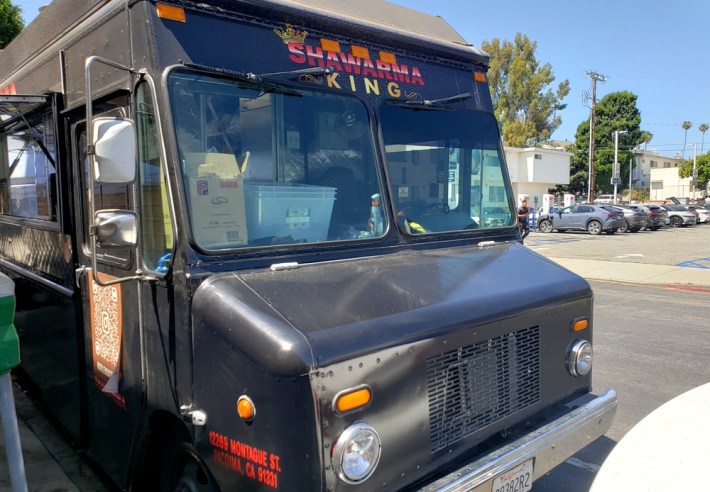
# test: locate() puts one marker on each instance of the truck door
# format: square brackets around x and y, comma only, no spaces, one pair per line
[111,320]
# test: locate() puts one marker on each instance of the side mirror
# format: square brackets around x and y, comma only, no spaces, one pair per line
[114,150]
[116,228]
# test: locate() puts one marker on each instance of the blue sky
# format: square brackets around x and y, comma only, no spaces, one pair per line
[658,50]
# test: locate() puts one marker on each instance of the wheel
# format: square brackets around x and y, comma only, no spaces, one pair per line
[182,470]
[676,222]
[624,228]
[594,227]
[545,226]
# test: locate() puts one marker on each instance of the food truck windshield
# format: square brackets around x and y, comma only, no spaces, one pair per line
[265,165]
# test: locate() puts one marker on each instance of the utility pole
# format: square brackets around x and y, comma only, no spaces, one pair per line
[596,77]
[694,180]
[631,168]
[616,178]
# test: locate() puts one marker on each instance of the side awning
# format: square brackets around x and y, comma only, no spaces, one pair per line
[14,107]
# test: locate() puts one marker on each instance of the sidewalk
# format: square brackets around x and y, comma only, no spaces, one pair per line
[638,273]
[51,464]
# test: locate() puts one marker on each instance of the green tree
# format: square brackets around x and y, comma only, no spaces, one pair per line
[525,106]
[647,137]
[702,164]
[10,22]
[616,111]
[703,128]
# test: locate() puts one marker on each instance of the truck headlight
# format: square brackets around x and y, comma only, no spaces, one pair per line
[579,358]
[356,453]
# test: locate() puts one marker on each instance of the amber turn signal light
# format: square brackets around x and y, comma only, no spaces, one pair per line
[352,399]
[246,408]
[580,324]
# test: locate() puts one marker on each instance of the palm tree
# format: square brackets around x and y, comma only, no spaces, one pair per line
[703,128]
[647,137]
[686,126]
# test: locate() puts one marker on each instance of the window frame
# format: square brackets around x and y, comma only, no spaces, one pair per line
[44,113]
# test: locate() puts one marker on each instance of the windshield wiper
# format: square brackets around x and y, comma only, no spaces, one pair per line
[303,71]
[266,86]
[441,104]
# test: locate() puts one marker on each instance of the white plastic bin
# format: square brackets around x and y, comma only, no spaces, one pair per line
[288,209]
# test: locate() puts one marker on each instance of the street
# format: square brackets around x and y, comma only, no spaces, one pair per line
[650,342]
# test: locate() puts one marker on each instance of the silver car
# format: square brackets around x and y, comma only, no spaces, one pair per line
[592,218]
[636,218]
[680,216]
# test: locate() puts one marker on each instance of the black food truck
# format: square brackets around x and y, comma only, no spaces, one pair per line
[250,252]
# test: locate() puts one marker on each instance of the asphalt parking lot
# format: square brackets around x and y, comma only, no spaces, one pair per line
[687,247]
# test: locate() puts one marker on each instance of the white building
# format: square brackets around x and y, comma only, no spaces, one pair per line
[659,174]
[533,171]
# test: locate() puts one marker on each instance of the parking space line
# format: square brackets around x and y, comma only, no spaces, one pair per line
[699,263]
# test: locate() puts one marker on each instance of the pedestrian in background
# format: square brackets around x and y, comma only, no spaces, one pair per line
[523,212]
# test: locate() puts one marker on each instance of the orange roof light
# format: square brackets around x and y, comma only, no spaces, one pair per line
[170,12]
[479,77]
[330,45]
[360,52]
[388,58]
[580,324]
[352,399]
[246,408]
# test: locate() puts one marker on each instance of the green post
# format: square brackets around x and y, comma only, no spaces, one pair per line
[9,342]
[9,358]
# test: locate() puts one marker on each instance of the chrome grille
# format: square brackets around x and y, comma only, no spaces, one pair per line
[476,385]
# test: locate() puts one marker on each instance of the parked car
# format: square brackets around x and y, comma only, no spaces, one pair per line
[680,216]
[593,218]
[657,216]
[702,213]
[635,216]
[495,216]
[604,199]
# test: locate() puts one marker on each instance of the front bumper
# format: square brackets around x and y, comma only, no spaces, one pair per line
[550,445]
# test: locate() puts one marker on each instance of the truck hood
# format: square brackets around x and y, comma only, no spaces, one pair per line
[292,321]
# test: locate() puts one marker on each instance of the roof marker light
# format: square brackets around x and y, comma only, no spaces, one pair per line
[388,57]
[360,52]
[170,12]
[479,77]
[330,45]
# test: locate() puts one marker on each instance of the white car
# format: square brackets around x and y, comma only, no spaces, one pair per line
[680,216]
[702,213]
[604,199]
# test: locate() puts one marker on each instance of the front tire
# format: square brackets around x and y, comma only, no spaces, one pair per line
[624,228]
[545,226]
[594,227]
[182,470]
[676,222]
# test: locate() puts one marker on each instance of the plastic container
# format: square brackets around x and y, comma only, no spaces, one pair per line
[376,223]
[288,209]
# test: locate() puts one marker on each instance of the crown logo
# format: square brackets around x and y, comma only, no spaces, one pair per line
[290,35]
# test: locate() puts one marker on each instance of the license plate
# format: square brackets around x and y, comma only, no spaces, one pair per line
[519,479]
